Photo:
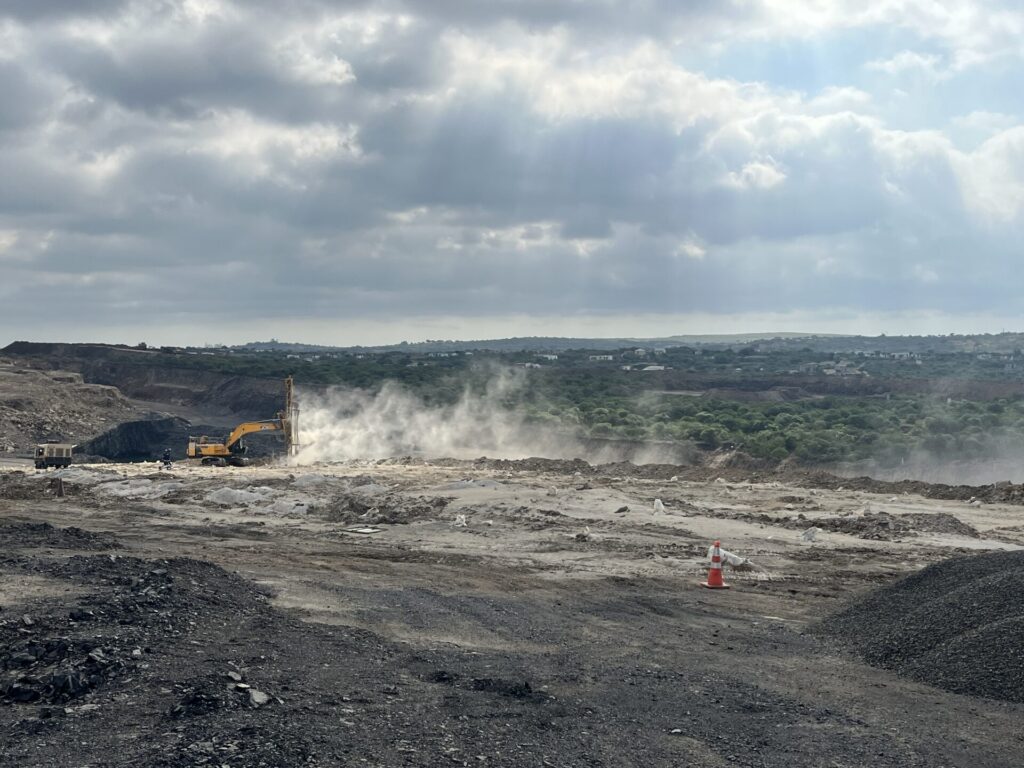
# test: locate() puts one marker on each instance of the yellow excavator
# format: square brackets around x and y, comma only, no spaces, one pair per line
[230,450]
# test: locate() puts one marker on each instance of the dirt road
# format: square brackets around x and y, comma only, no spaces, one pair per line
[457,613]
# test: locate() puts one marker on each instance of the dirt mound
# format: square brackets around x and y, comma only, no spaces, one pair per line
[13,535]
[385,508]
[17,486]
[878,526]
[995,493]
[536,464]
[884,526]
[956,625]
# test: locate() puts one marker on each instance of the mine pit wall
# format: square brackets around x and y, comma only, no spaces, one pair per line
[152,376]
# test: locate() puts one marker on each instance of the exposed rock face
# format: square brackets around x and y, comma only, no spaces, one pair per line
[154,376]
[38,405]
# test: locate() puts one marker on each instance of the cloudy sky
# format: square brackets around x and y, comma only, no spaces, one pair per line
[347,171]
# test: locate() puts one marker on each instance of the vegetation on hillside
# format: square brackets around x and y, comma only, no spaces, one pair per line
[769,399]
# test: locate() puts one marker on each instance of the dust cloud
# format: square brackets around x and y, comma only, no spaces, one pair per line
[349,424]
[346,424]
[1005,464]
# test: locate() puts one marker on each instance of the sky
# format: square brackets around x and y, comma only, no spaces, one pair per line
[370,171]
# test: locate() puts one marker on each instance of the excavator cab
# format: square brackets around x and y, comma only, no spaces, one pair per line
[217,452]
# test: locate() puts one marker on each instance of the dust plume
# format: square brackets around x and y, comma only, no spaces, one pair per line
[1004,464]
[345,424]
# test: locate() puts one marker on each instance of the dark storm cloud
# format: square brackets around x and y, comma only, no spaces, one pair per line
[24,100]
[36,10]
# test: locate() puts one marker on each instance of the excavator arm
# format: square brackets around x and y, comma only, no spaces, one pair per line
[247,428]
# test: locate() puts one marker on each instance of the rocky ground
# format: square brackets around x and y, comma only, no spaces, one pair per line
[37,405]
[468,613]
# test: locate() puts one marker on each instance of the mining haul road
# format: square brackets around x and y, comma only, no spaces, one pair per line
[409,613]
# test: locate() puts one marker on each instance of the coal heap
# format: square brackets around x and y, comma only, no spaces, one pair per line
[143,440]
[956,625]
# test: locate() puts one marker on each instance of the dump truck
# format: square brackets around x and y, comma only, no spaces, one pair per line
[53,454]
[230,450]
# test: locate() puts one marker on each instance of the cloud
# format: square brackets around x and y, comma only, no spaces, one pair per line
[755,175]
[186,162]
[993,178]
[930,65]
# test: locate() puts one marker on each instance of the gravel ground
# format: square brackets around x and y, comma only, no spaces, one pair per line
[474,627]
[956,625]
[175,662]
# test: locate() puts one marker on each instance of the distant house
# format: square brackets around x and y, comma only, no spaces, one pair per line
[532,365]
[601,357]
[654,368]
[548,357]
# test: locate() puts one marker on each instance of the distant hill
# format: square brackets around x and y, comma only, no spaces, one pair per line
[533,343]
[1001,343]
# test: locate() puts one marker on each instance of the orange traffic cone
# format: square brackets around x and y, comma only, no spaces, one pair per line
[715,570]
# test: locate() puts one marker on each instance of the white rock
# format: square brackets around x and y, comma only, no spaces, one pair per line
[811,534]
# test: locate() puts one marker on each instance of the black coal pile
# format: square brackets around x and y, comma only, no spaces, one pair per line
[54,658]
[956,625]
[56,670]
[143,440]
[14,535]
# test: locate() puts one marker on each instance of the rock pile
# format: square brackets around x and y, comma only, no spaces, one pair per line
[956,625]
[884,526]
[385,508]
[876,526]
[54,659]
